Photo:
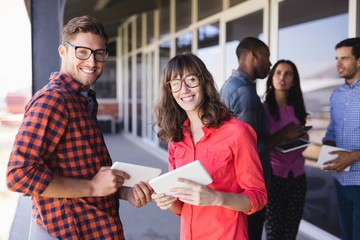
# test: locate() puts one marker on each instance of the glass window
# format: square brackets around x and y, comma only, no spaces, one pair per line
[249,25]
[164,18]
[209,49]
[150,27]
[130,95]
[151,84]
[129,40]
[208,7]
[234,2]
[183,14]
[183,43]
[112,49]
[105,86]
[164,54]
[314,56]
[164,59]
[138,96]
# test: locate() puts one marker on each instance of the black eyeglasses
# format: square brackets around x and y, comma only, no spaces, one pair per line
[190,80]
[83,53]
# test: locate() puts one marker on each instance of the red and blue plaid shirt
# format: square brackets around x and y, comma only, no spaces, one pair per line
[59,135]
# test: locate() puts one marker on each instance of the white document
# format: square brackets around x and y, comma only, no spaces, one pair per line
[194,171]
[325,155]
[137,172]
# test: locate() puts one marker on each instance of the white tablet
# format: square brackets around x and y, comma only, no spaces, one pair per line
[137,172]
[194,171]
[288,147]
[325,155]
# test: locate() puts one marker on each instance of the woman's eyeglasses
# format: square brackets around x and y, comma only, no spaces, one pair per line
[190,80]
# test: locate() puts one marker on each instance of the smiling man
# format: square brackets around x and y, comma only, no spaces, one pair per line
[59,157]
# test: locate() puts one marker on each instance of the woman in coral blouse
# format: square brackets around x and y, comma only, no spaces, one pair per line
[196,124]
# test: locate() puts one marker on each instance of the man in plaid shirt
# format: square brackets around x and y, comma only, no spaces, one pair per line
[59,156]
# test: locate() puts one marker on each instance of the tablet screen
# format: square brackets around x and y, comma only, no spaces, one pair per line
[300,143]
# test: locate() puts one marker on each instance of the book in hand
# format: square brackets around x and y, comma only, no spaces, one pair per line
[297,144]
[194,171]
[325,155]
[137,172]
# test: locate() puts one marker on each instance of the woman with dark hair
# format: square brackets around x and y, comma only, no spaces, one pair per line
[285,107]
[197,125]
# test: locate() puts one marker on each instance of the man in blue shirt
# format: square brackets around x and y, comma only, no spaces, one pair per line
[344,132]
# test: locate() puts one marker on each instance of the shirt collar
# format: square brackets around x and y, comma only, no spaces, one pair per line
[207,130]
[66,81]
[354,84]
[239,74]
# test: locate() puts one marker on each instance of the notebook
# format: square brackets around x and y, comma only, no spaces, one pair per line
[137,172]
[288,147]
[194,171]
[325,155]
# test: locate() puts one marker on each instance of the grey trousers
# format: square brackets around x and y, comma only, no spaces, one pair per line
[36,232]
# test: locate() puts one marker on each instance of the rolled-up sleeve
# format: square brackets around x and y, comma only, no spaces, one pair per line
[43,125]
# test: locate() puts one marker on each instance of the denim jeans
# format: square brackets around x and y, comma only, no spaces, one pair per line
[349,210]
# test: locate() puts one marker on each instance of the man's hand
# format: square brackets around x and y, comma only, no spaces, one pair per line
[107,181]
[339,164]
[139,195]
[291,132]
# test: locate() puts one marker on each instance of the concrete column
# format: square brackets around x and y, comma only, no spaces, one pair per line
[46,25]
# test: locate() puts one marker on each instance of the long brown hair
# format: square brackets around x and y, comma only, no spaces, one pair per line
[295,97]
[169,116]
